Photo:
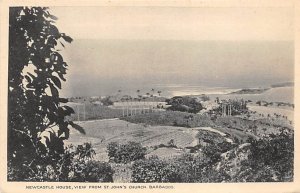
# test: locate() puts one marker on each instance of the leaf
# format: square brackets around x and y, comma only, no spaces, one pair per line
[53,17]
[69,110]
[47,141]
[56,81]
[63,100]
[77,127]
[67,134]
[54,31]
[61,77]
[59,133]
[67,38]
[54,91]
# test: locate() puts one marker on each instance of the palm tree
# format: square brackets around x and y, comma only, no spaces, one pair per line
[119,94]
[130,104]
[135,99]
[127,105]
[152,99]
[152,103]
[159,93]
[143,109]
[139,99]
[147,94]
[138,96]
[123,108]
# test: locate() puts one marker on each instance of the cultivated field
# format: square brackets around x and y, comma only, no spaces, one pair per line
[102,132]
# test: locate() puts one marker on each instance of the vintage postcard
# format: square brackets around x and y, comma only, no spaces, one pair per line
[149,96]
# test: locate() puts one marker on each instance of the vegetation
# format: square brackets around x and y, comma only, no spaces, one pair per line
[75,164]
[278,104]
[186,168]
[90,111]
[39,122]
[204,97]
[124,153]
[274,154]
[34,105]
[250,91]
[264,160]
[172,118]
[107,101]
[184,104]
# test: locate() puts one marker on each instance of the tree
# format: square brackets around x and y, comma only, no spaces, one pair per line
[139,98]
[184,104]
[147,94]
[159,94]
[152,96]
[34,104]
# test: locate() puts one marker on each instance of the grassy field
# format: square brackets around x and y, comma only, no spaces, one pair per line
[102,132]
[240,127]
[89,111]
[172,118]
[158,128]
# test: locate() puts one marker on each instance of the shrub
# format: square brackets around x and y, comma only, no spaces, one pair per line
[76,164]
[187,168]
[214,151]
[171,143]
[154,170]
[274,153]
[91,171]
[184,104]
[124,153]
[107,101]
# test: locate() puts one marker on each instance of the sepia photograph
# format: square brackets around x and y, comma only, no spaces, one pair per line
[150,94]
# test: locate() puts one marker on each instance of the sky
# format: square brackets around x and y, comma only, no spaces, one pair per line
[121,47]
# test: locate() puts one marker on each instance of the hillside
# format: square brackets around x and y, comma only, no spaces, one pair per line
[102,132]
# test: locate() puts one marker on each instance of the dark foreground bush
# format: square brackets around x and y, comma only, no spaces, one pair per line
[91,171]
[273,154]
[124,153]
[187,168]
[269,159]
[154,170]
[76,164]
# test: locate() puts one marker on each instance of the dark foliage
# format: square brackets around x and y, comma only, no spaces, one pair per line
[124,153]
[184,104]
[185,169]
[34,105]
[214,151]
[154,170]
[91,171]
[107,101]
[76,164]
[273,154]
